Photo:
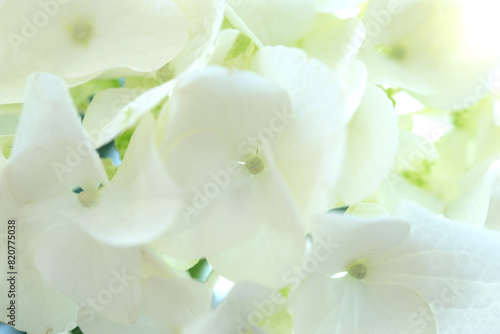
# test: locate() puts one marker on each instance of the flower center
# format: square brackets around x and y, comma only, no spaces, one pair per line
[255,165]
[87,198]
[81,32]
[357,271]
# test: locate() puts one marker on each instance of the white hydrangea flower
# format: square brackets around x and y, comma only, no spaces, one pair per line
[456,183]
[246,142]
[408,273]
[77,248]
[79,40]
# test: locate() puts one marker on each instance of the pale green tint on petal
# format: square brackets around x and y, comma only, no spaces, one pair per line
[140,35]
[334,41]
[139,203]
[9,118]
[50,136]
[421,46]
[224,43]
[277,21]
[115,111]
[476,187]
[246,306]
[84,93]
[241,54]
[82,268]
[108,114]
[6,143]
[280,323]
[372,143]
[367,209]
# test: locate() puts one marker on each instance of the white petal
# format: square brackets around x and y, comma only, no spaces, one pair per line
[102,280]
[205,19]
[140,35]
[40,308]
[334,41]
[246,305]
[372,143]
[107,115]
[315,132]
[324,305]
[167,305]
[353,238]
[139,203]
[278,21]
[50,136]
[454,267]
[275,246]
[202,154]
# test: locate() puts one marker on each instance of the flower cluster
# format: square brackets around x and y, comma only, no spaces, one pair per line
[250,166]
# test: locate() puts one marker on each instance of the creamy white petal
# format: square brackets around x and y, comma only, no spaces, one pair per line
[336,5]
[344,305]
[334,41]
[102,280]
[315,132]
[39,307]
[277,21]
[50,136]
[372,143]
[205,19]
[205,156]
[353,238]
[454,267]
[139,203]
[81,39]
[275,246]
[107,114]
[167,305]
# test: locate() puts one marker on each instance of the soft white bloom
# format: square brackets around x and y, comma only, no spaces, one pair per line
[408,273]
[453,175]
[76,251]
[424,47]
[255,157]
[79,40]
